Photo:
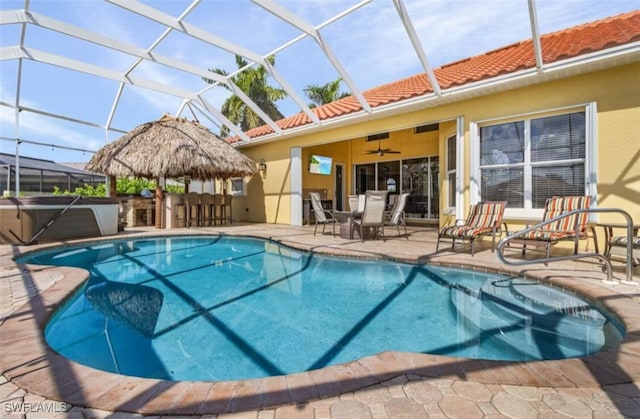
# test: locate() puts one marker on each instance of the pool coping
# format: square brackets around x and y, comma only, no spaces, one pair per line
[27,361]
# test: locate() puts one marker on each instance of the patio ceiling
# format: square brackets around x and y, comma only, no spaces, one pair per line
[102,77]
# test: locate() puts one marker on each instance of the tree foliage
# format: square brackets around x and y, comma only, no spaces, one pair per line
[326,93]
[133,186]
[86,190]
[254,82]
[124,186]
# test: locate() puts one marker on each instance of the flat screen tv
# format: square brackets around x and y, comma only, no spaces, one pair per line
[320,165]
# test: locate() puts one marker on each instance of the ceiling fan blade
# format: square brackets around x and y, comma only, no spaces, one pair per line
[381,151]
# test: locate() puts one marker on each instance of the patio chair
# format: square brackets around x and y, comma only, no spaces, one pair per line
[321,215]
[373,215]
[572,228]
[485,218]
[396,216]
[361,201]
[353,203]
[392,201]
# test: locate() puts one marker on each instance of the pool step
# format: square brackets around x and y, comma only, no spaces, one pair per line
[532,318]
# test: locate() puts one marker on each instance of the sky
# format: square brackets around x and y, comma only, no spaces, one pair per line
[370,44]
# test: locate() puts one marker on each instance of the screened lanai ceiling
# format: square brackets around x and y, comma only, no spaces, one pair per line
[78,74]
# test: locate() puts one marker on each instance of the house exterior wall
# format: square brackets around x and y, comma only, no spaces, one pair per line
[615,91]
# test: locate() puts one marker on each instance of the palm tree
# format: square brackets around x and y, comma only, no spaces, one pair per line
[327,93]
[252,81]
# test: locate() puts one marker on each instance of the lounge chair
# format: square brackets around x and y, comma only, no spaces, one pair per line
[620,241]
[396,216]
[572,228]
[485,218]
[373,214]
[321,215]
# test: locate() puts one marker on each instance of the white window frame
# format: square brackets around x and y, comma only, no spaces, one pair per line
[242,191]
[295,178]
[449,172]
[460,188]
[528,213]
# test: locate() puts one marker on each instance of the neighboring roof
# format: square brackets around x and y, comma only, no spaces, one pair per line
[40,164]
[74,165]
[557,46]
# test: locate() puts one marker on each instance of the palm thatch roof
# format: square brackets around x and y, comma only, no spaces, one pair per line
[171,148]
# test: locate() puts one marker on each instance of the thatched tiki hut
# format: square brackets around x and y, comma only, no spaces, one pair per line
[171,148]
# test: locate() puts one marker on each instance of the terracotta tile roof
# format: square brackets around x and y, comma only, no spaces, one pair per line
[568,43]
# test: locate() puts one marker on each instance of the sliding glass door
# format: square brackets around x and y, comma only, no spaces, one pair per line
[419,177]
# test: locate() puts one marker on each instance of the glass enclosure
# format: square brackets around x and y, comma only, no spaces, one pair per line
[33,181]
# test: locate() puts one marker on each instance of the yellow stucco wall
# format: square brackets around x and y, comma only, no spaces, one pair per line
[268,194]
[615,91]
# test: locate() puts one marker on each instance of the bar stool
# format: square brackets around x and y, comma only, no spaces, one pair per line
[226,209]
[179,209]
[190,205]
[205,207]
[217,208]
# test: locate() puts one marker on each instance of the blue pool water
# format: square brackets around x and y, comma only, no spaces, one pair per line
[223,308]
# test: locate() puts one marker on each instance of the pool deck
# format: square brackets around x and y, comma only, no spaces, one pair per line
[37,382]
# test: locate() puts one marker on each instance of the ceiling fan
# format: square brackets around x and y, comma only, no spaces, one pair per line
[381,151]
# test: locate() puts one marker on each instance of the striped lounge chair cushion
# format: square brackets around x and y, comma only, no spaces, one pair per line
[547,235]
[481,220]
[486,215]
[556,206]
[464,231]
[622,241]
[563,228]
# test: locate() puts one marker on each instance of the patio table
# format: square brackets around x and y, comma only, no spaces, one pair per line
[346,225]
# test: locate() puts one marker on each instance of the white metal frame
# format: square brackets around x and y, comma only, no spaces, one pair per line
[194,101]
[26,18]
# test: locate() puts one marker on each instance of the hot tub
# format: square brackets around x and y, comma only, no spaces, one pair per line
[21,219]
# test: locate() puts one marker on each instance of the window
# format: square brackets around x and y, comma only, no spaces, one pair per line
[426,128]
[376,137]
[237,186]
[525,162]
[451,171]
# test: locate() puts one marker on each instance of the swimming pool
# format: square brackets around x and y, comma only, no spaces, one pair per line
[227,308]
